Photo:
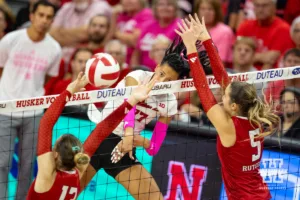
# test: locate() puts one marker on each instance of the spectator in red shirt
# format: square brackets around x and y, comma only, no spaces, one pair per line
[295,32]
[271,34]
[118,50]
[292,10]
[272,92]
[78,64]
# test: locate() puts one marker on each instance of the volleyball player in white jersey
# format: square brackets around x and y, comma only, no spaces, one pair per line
[112,154]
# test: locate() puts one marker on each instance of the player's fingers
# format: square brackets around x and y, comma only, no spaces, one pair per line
[197,18]
[180,27]
[184,25]
[188,22]
[151,84]
[131,155]
[116,155]
[192,19]
[82,89]
[203,21]
[79,75]
[178,32]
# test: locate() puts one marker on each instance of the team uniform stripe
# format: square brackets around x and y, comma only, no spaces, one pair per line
[111,76]
[92,71]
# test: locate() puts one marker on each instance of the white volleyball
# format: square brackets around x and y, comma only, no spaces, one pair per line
[102,70]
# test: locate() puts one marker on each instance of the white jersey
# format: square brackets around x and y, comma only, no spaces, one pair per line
[26,64]
[155,106]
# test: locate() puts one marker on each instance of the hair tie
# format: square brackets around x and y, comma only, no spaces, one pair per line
[75,148]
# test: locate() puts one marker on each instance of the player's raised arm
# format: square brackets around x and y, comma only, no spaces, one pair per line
[216,114]
[46,161]
[216,63]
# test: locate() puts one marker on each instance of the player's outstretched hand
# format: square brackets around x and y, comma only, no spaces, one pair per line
[186,33]
[199,28]
[79,84]
[141,92]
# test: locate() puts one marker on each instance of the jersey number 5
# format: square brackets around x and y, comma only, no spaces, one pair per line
[254,144]
[65,189]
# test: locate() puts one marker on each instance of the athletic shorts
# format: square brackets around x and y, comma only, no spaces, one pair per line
[102,157]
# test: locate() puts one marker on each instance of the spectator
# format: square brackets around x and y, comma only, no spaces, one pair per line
[22,20]
[118,51]
[238,11]
[28,58]
[158,49]
[271,34]
[130,20]
[3,23]
[243,55]
[272,92]
[71,23]
[221,34]
[290,102]
[81,56]
[165,22]
[97,31]
[295,32]
[292,10]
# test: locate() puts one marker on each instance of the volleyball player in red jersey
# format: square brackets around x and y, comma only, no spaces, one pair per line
[61,169]
[241,123]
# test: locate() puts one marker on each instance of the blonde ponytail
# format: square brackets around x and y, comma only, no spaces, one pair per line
[81,159]
[261,115]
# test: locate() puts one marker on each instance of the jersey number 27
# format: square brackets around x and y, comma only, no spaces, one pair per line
[255,144]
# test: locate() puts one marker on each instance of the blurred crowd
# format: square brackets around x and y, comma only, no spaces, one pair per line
[250,35]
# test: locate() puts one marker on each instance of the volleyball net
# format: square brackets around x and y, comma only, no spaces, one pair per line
[187,165]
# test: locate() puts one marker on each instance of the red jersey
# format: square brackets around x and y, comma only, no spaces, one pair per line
[66,186]
[240,164]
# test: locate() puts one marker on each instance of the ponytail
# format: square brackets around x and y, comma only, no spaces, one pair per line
[81,159]
[262,116]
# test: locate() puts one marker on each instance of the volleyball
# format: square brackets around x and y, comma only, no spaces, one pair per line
[102,70]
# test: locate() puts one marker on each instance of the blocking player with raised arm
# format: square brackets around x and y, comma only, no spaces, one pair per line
[60,170]
[112,154]
[242,122]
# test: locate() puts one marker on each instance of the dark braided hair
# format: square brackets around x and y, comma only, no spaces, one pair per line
[174,57]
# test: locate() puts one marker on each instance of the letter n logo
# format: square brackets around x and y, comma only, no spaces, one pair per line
[184,186]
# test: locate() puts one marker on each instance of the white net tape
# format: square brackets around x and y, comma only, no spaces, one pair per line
[105,95]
